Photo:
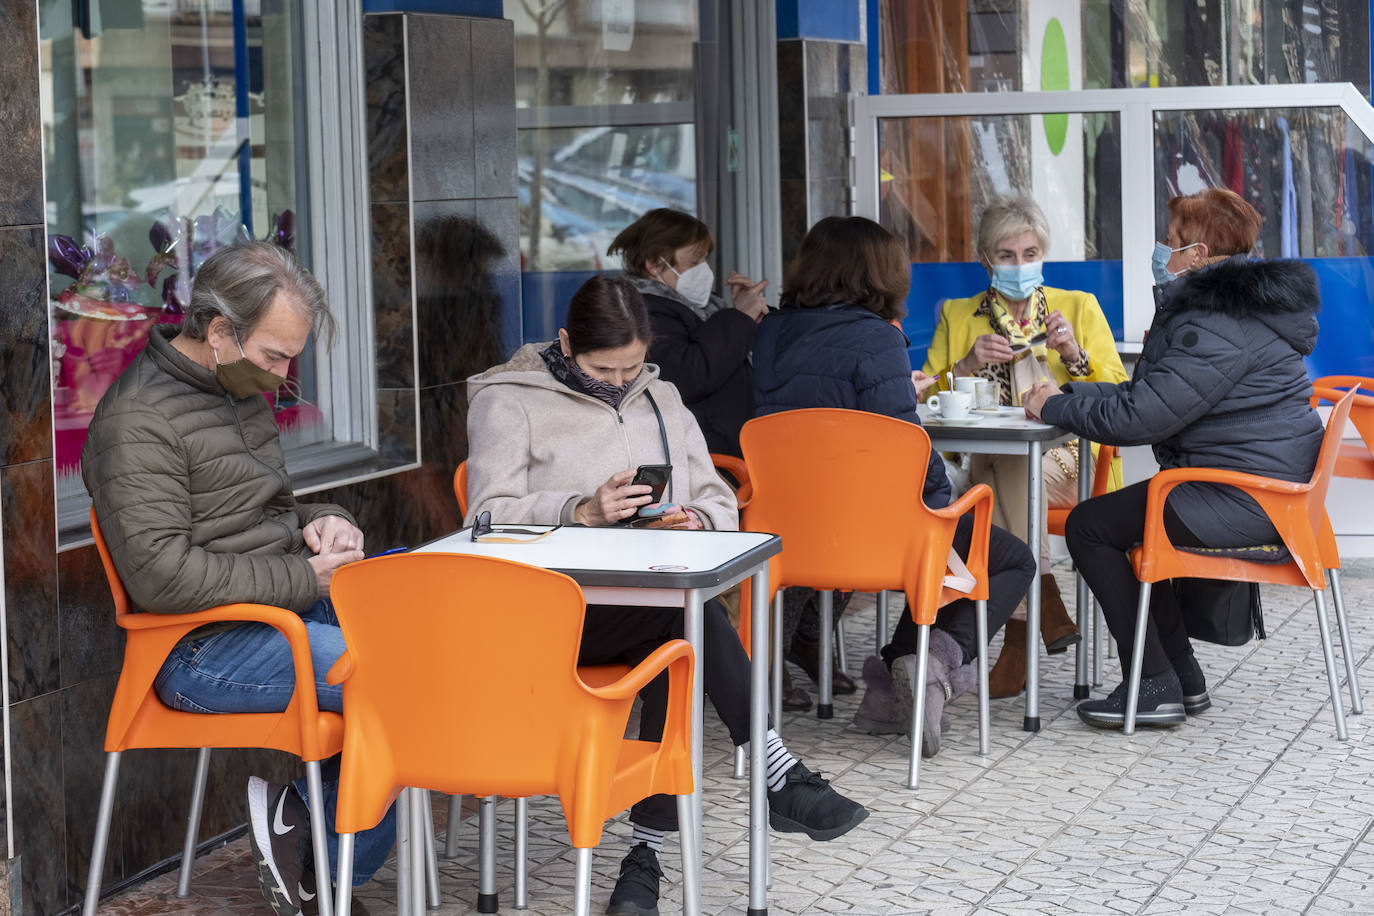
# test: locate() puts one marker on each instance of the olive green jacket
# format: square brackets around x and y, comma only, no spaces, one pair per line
[190,487]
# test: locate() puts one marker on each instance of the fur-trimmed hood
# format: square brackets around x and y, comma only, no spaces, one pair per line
[1283,294]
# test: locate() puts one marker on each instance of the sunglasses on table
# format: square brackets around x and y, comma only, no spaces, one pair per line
[484,530]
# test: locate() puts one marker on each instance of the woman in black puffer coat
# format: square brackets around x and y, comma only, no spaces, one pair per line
[1220,384]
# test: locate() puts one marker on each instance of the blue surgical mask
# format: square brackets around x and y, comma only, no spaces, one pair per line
[1159,261]
[1018,281]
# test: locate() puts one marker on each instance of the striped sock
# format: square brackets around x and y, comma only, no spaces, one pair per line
[649,837]
[779,761]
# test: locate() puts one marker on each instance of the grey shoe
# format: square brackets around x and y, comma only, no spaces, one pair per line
[880,712]
[1161,704]
[1193,684]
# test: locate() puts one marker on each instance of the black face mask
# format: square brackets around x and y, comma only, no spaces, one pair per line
[244,378]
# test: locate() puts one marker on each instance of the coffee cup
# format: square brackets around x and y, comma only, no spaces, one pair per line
[967,384]
[951,405]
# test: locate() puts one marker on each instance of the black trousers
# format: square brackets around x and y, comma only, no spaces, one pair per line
[627,635]
[1011,569]
[1101,531]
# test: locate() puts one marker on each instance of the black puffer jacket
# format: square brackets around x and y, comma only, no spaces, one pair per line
[1220,383]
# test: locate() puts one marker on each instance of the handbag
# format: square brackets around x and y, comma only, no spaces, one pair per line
[1218,611]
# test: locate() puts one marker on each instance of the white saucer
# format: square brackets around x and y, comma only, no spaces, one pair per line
[998,411]
[955,421]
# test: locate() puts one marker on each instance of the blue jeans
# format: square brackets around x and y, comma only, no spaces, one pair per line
[249,669]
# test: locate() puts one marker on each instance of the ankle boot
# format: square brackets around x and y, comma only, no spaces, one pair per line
[1057,628]
[794,699]
[1008,677]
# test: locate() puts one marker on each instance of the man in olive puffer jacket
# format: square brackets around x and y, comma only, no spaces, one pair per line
[185,469]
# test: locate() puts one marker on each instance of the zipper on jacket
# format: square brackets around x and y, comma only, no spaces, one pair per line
[238,424]
[624,436]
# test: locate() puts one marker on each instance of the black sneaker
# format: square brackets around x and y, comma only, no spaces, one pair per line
[807,804]
[279,832]
[636,890]
[1193,684]
[1161,703]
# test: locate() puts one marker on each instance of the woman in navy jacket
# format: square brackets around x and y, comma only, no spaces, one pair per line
[836,343]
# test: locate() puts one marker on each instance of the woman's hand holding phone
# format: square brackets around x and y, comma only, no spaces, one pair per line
[614,501]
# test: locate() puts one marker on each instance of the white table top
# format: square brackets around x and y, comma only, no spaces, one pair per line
[1008,429]
[628,556]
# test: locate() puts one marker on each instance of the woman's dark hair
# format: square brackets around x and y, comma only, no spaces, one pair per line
[854,261]
[1220,219]
[658,234]
[606,313]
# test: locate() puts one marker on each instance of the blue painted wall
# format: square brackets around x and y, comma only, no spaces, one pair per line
[828,20]
[489,9]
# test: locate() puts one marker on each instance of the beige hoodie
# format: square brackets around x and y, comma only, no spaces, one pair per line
[536,448]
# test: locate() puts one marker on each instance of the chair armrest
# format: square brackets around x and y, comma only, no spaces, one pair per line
[341,670]
[639,677]
[979,500]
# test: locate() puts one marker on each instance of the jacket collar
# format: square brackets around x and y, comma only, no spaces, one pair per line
[177,364]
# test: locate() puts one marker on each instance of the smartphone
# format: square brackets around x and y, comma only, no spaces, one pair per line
[653,475]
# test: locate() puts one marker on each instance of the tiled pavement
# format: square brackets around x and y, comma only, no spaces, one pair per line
[1252,807]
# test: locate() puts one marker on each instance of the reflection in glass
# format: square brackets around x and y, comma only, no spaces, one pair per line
[169,132]
[1307,172]
[937,173]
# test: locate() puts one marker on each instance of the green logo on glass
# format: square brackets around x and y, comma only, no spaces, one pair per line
[1054,76]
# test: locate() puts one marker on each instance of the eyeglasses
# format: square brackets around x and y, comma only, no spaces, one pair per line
[484,530]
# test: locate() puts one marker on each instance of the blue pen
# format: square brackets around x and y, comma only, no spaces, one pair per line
[387,552]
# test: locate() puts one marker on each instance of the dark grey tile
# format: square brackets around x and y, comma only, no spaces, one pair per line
[387,144]
[501,217]
[458,300]
[26,491]
[21,167]
[39,806]
[826,197]
[391,295]
[793,203]
[25,360]
[493,106]
[822,68]
[91,644]
[791,109]
[444,430]
[85,709]
[396,424]
[439,67]
[827,126]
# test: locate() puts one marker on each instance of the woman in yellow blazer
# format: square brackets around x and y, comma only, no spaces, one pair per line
[975,336]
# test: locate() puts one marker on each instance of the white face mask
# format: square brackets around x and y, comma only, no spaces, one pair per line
[695,283]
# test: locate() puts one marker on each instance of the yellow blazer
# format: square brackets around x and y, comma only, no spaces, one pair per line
[959,328]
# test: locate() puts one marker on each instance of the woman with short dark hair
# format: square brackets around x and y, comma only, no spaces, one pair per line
[701,342]
[836,343]
[555,436]
[1220,384]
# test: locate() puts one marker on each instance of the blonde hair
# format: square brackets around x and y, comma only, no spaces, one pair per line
[1009,216]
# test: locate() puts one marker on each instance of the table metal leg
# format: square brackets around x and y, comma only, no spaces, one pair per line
[758,731]
[1084,599]
[881,623]
[1034,528]
[403,846]
[778,661]
[693,631]
[417,852]
[825,702]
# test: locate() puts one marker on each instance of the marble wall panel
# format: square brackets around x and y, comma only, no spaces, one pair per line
[396,424]
[501,217]
[391,295]
[493,101]
[21,167]
[91,645]
[441,126]
[387,143]
[25,365]
[26,491]
[826,197]
[793,203]
[792,109]
[39,804]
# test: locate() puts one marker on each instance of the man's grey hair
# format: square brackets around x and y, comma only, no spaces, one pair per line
[239,284]
[1010,216]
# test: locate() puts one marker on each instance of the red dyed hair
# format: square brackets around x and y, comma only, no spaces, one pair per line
[1218,218]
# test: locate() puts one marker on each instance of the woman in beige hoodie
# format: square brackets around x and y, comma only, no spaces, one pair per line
[555,435]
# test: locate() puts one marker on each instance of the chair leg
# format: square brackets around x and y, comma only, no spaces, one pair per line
[1099,624]
[102,833]
[778,661]
[314,784]
[691,856]
[1137,659]
[1352,675]
[918,707]
[840,645]
[431,861]
[455,817]
[825,700]
[739,762]
[403,847]
[522,836]
[582,900]
[1083,607]
[417,851]
[487,899]
[984,713]
[880,624]
[1337,707]
[188,849]
[344,903]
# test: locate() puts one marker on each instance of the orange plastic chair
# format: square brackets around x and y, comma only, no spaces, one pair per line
[448,712]
[843,489]
[737,469]
[1055,519]
[139,718]
[1307,551]
[1353,459]
[1102,473]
